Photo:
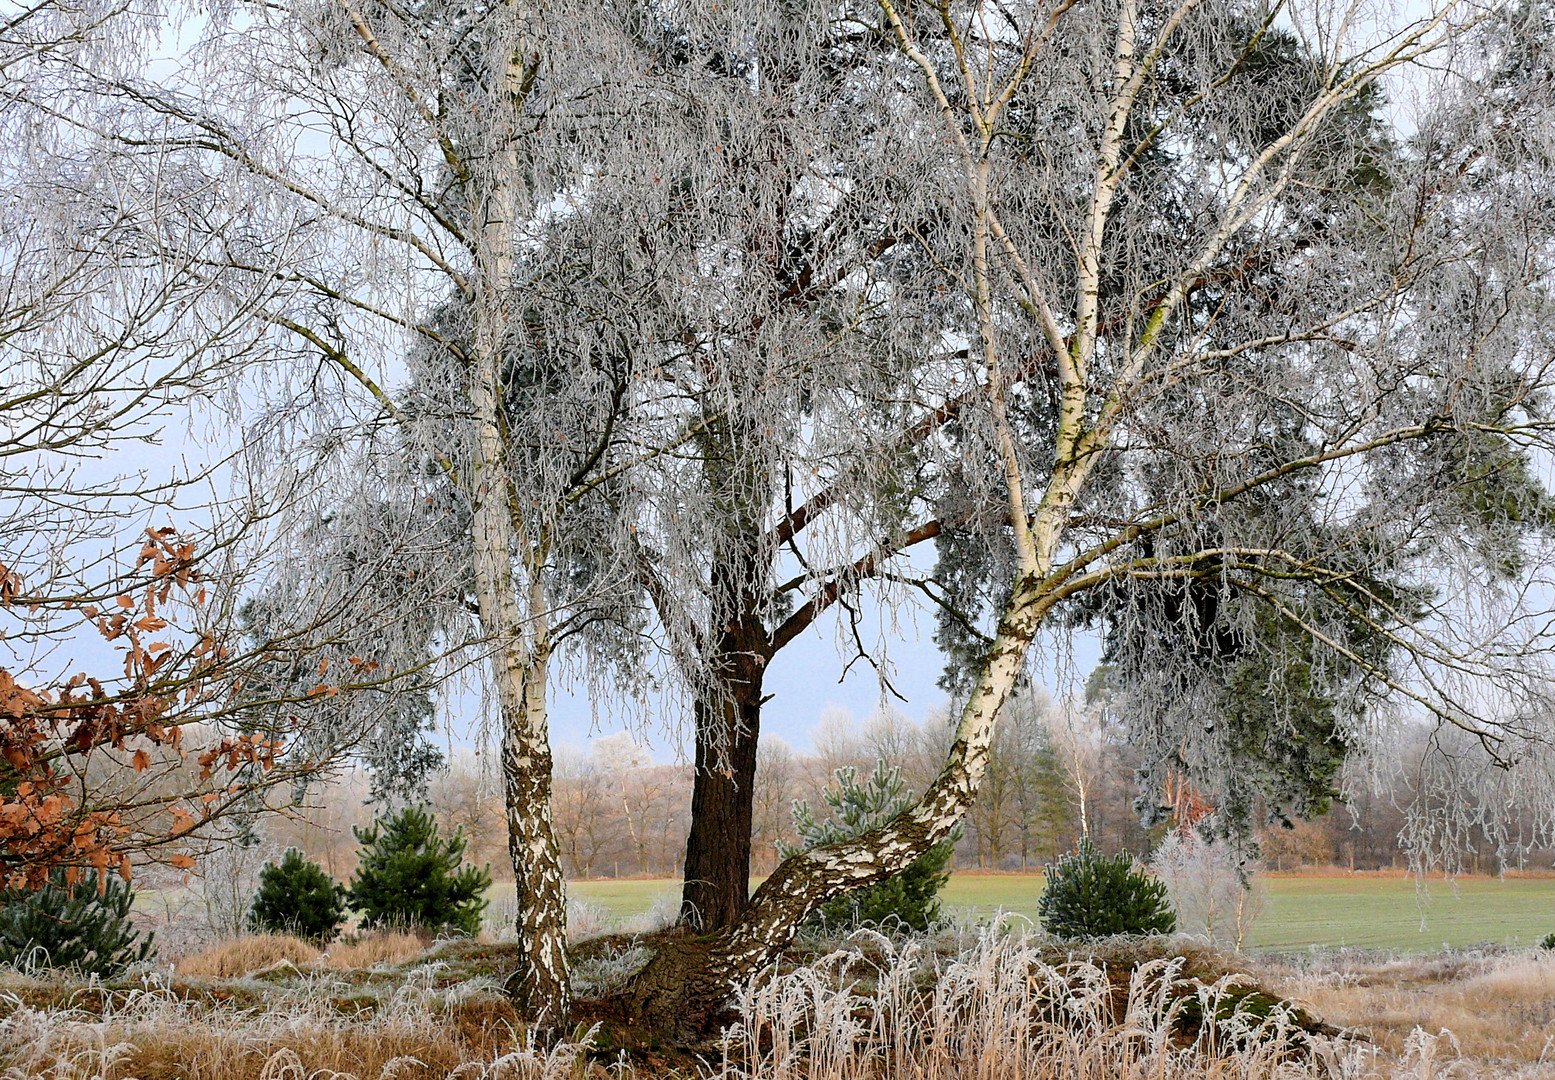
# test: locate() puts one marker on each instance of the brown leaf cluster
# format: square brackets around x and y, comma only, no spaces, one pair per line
[48,815]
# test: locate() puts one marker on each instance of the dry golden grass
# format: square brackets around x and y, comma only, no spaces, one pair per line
[158,1036]
[999,1011]
[237,957]
[1499,1010]
[370,950]
[987,1005]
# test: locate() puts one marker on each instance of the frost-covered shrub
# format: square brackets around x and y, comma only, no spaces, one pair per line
[662,914]
[1211,886]
[609,972]
[586,919]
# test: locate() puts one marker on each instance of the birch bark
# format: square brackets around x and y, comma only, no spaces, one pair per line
[513,611]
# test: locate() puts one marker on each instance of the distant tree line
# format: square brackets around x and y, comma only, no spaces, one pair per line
[618,813]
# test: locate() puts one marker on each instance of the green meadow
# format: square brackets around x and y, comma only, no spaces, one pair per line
[1362,911]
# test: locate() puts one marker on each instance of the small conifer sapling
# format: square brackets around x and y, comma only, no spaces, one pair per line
[910,900]
[297,897]
[1089,896]
[409,876]
[82,926]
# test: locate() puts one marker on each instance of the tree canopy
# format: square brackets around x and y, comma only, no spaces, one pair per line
[637,337]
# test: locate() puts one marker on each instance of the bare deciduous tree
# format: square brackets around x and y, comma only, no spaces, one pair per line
[118,580]
[440,213]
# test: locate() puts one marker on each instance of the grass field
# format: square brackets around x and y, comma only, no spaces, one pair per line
[1368,912]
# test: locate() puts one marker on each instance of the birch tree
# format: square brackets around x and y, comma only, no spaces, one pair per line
[445,226]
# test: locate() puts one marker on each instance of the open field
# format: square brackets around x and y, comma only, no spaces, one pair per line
[1359,911]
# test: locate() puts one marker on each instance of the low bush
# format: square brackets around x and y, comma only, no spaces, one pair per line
[297,897]
[586,920]
[662,914]
[408,876]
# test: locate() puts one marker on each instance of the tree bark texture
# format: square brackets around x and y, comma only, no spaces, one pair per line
[718,846]
[727,709]
[541,986]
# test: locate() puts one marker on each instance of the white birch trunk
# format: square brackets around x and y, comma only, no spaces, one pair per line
[520,659]
[512,612]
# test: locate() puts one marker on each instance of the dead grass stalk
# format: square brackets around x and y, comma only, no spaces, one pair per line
[370,950]
[236,957]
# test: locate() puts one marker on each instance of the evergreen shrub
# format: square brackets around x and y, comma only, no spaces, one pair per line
[409,877]
[82,927]
[297,897]
[1088,896]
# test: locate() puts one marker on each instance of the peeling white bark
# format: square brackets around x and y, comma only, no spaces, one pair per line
[512,612]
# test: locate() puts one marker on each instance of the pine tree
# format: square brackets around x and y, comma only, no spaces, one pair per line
[407,875]
[1088,896]
[82,927]
[909,900]
[297,897]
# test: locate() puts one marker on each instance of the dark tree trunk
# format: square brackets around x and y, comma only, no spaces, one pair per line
[718,847]
[686,985]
